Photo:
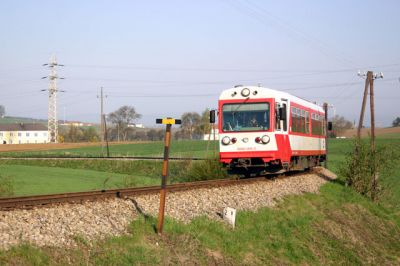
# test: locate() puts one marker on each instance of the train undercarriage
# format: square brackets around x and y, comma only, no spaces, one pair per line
[248,167]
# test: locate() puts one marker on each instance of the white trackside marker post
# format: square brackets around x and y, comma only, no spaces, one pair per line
[229,215]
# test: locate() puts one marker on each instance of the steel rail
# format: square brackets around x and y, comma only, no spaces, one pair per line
[127,158]
[28,202]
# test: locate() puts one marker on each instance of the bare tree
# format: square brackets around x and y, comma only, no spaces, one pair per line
[205,125]
[340,124]
[78,134]
[122,118]
[396,122]
[2,111]
[190,124]
[155,134]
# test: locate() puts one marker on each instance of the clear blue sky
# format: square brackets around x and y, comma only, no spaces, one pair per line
[141,51]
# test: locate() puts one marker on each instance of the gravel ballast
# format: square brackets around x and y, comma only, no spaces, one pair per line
[60,225]
[186,205]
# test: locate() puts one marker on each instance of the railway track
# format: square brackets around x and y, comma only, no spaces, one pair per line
[28,202]
[127,158]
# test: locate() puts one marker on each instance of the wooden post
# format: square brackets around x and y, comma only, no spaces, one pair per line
[106,135]
[372,107]
[164,176]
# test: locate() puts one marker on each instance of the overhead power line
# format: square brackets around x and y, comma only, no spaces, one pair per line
[260,14]
[164,95]
[205,69]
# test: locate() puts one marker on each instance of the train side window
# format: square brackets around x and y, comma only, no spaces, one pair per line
[318,125]
[293,119]
[285,118]
[321,122]
[314,125]
[307,122]
[277,118]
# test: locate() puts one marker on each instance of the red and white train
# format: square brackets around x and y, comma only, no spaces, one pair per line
[268,131]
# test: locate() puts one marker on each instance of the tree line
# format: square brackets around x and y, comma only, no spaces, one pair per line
[121,126]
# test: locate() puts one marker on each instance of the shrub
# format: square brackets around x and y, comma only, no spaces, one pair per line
[208,169]
[362,165]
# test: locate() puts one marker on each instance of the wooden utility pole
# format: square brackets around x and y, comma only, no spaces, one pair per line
[372,107]
[369,81]
[169,122]
[364,102]
[102,120]
[106,135]
[373,151]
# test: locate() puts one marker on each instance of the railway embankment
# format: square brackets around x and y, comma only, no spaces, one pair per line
[62,225]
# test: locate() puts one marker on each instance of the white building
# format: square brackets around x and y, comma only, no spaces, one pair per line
[136,125]
[23,133]
[76,124]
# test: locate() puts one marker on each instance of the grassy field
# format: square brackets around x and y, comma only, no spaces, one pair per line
[34,177]
[143,172]
[55,176]
[182,148]
[36,180]
[336,226]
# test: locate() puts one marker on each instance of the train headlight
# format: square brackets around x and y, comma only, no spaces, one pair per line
[226,140]
[265,139]
[245,92]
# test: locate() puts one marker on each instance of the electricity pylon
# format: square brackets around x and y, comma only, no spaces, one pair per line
[52,126]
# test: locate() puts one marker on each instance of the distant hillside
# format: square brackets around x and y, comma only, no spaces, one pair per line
[13,120]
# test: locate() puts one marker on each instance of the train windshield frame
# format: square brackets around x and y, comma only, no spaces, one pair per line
[245,117]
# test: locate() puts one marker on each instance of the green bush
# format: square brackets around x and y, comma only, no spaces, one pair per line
[208,169]
[362,164]
[6,186]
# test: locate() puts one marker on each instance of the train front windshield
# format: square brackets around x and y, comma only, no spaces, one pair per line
[246,117]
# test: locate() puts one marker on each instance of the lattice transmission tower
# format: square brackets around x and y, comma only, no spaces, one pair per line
[52,111]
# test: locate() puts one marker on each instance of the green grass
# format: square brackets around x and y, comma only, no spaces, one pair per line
[36,180]
[31,177]
[182,148]
[309,229]
[143,172]
[336,226]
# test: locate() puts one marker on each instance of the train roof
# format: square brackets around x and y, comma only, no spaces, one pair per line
[262,92]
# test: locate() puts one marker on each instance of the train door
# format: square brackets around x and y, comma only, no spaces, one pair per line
[281,129]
